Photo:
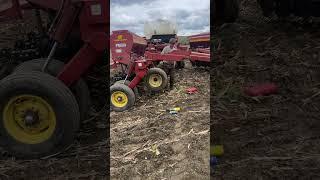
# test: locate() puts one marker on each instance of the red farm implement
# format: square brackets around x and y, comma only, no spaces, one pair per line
[44,100]
[200,43]
[137,62]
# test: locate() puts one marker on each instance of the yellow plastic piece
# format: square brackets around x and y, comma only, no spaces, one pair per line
[176,109]
[216,150]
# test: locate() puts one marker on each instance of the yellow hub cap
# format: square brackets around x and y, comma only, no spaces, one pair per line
[29,119]
[155,80]
[119,99]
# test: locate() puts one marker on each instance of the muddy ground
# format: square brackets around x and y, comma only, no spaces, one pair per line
[182,140]
[276,136]
[87,159]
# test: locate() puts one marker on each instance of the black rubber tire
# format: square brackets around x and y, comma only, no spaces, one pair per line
[129,93]
[58,96]
[163,75]
[4,71]
[180,65]
[135,89]
[80,88]
[193,63]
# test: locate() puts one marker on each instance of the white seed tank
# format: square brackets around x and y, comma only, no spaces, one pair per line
[159,27]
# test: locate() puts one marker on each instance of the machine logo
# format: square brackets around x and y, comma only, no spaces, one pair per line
[120,38]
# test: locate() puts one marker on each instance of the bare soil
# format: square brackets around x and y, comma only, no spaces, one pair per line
[270,137]
[182,140]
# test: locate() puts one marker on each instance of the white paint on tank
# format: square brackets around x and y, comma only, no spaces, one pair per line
[160,27]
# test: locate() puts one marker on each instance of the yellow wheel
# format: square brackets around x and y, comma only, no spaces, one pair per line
[39,116]
[156,79]
[29,119]
[122,97]
[119,99]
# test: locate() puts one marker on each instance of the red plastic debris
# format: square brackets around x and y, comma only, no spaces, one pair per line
[261,89]
[192,90]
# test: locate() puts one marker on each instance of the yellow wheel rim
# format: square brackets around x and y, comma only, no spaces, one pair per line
[155,80]
[29,119]
[119,99]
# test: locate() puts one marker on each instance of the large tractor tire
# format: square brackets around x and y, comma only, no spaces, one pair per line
[156,79]
[122,97]
[5,69]
[39,115]
[225,11]
[80,88]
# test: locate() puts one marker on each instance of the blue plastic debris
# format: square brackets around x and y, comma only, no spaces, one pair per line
[213,161]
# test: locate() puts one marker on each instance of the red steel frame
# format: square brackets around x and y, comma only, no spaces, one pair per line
[129,49]
[90,17]
[94,22]
[13,9]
